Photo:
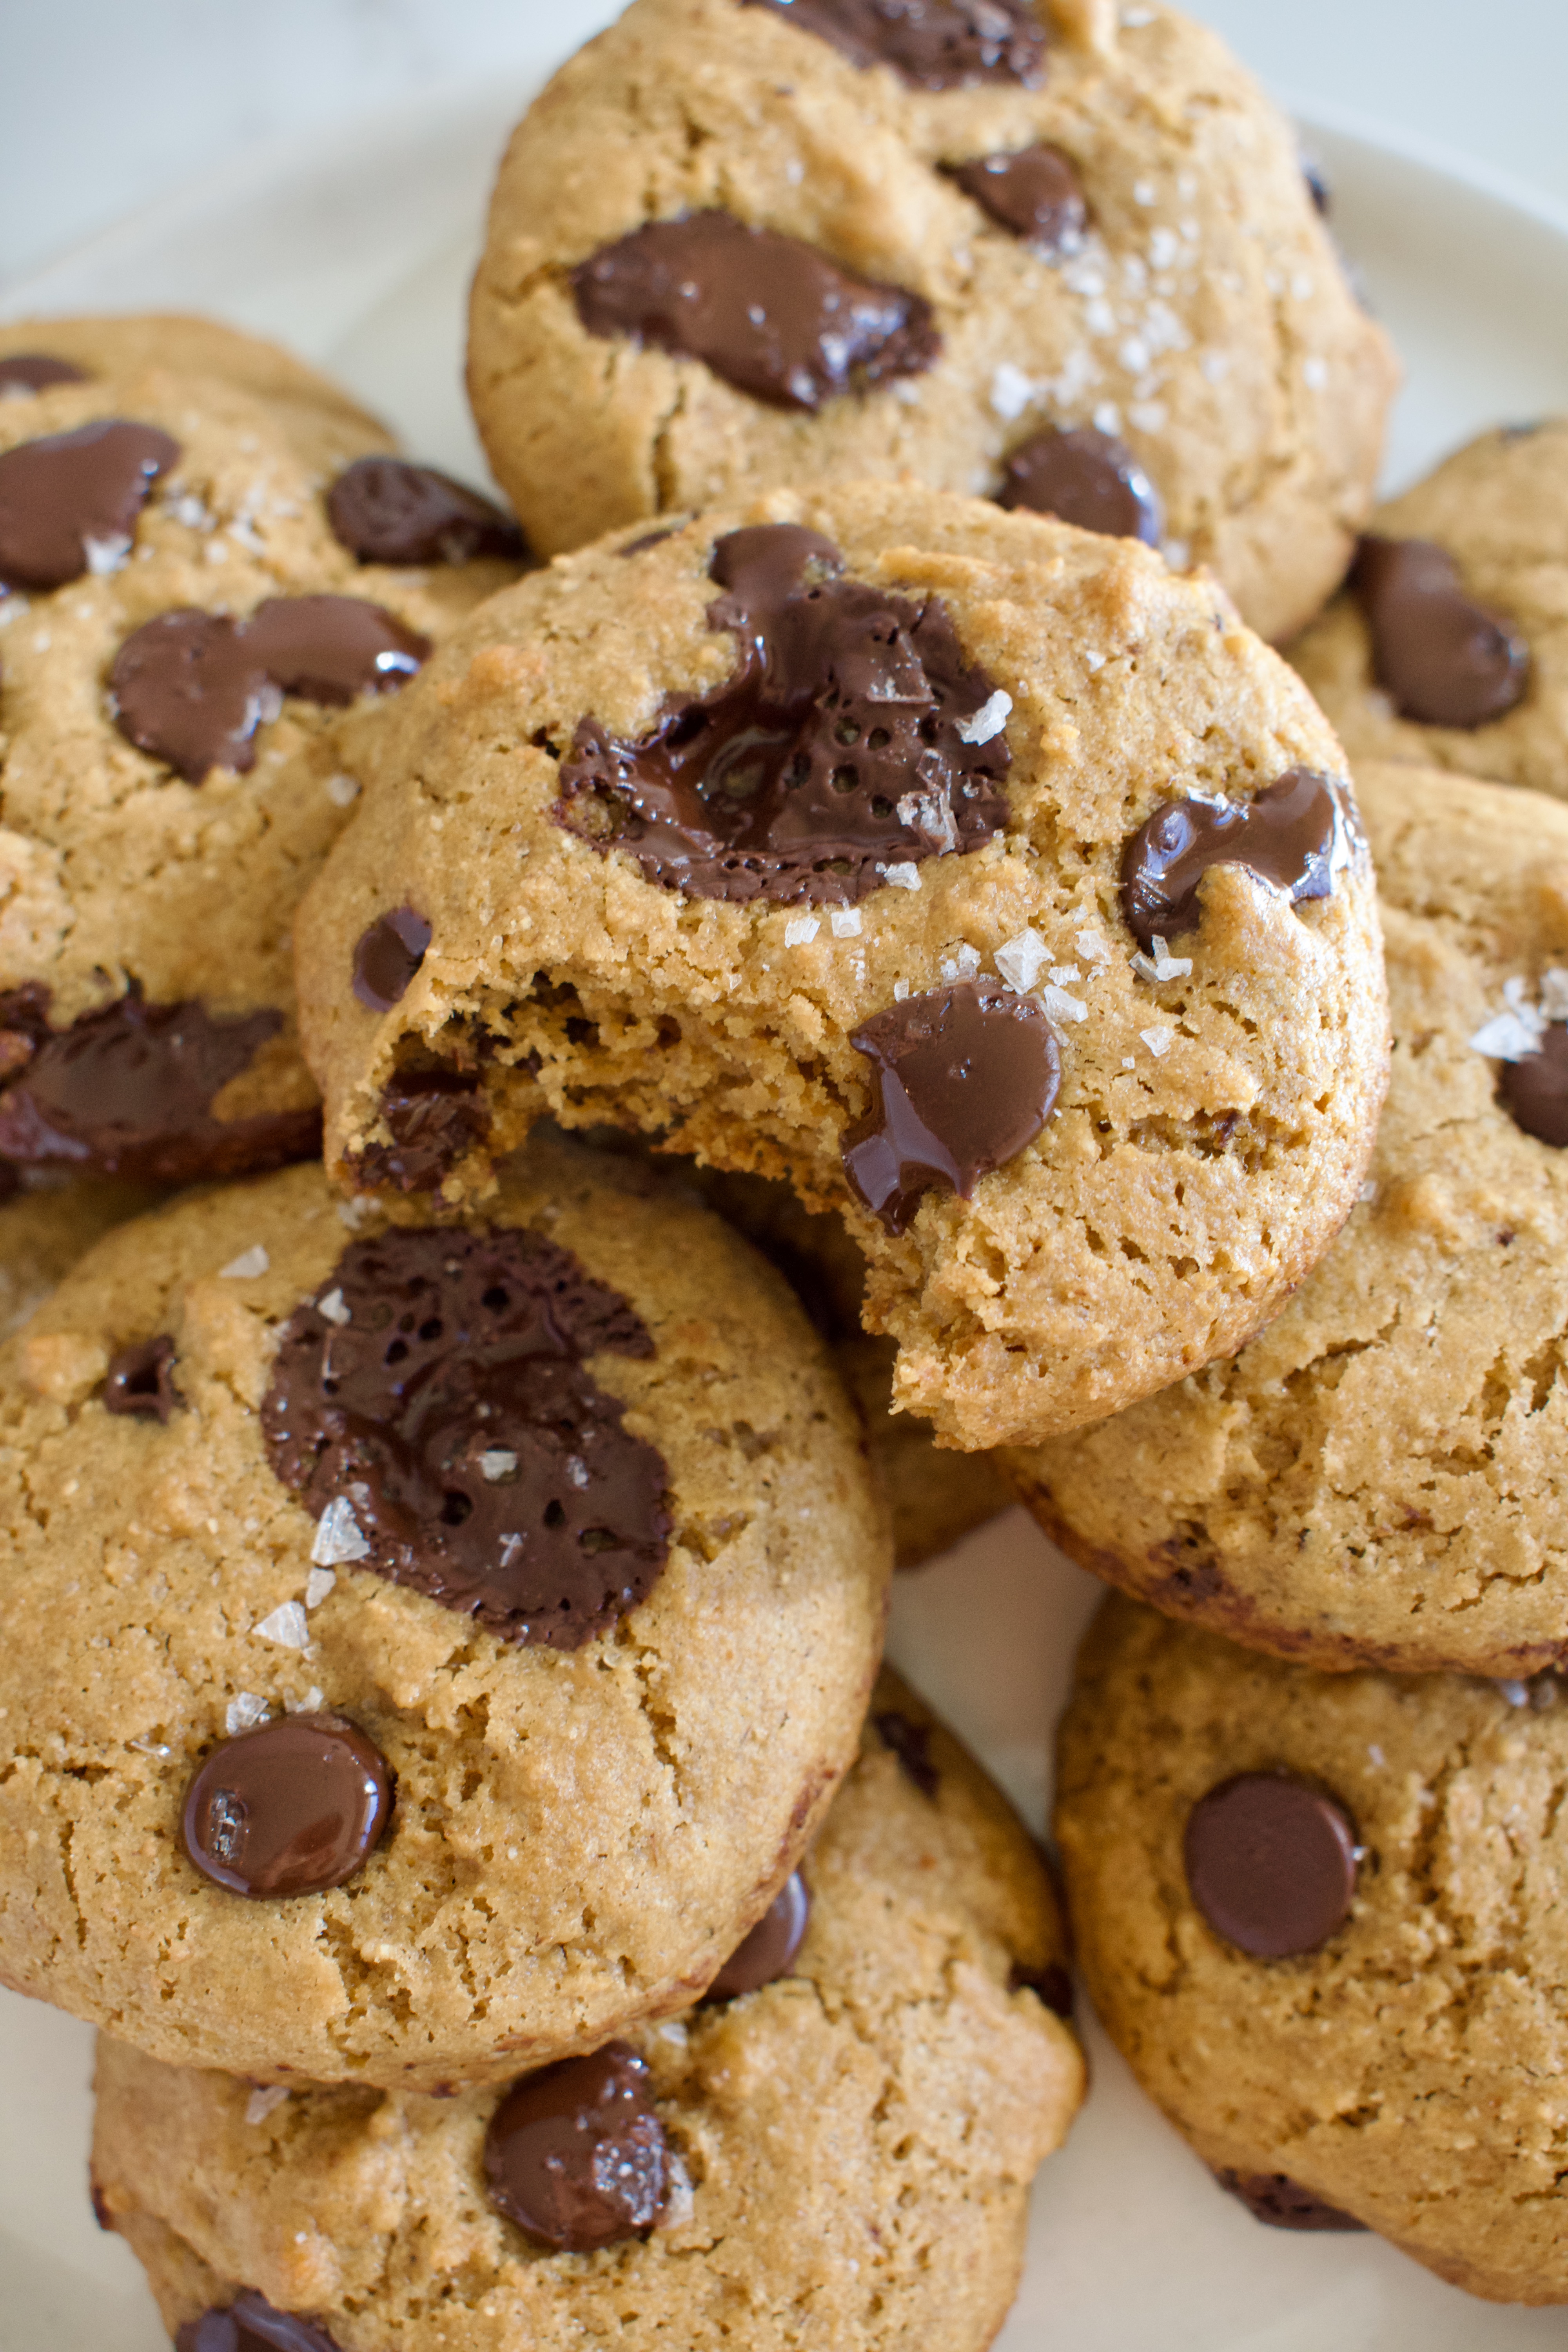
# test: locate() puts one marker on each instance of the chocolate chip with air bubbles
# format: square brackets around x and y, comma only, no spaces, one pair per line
[454,1417]
[71,501]
[1534,1090]
[22,373]
[576,2154]
[962,1079]
[1445,659]
[433,1119]
[1290,836]
[292,1808]
[850,738]
[139,1380]
[768,1952]
[389,953]
[386,510]
[1275,2198]
[769,314]
[931,44]
[1271,1864]
[250,2323]
[1083,476]
[911,1743]
[1035,192]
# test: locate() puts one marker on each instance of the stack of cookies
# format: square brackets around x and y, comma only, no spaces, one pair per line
[573,1088]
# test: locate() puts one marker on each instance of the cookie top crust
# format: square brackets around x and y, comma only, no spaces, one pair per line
[574,1821]
[1375,1479]
[1183,1136]
[846,2149]
[1390,2068]
[887,269]
[1450,645]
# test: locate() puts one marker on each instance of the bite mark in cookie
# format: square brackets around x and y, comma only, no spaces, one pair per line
[433,1119]
[69,502]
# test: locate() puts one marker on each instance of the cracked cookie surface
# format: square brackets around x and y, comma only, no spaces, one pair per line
[578,1834]
[1404,2070]
[855,2139]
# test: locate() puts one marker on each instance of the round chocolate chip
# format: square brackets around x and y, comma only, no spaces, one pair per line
[27,372]
[1534,1092]
[250,2324]
[768,1950]
[139,1379]
[1086,478]
[390,951]
[576,2154]
[1445,659]
[291,1808]
[1271,1863]
[386,510]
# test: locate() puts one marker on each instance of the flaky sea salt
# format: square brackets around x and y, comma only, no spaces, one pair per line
[107,555]
[961,964]
[1021,959]
[1011,392]
[335,1308]
[1162,965]
[342,791]
[1157,1041]
[1554,994]
[903,877]
[246,1265]
[1143,191]
[988,720]
[1107,417]
[1516,1694]
[843,922]
[245,1711]
[338,1536]
[1368,1191]
[286,1625]
[576,1470]
[497,1462]
[1315,374]
[1060,1006]
[262,2103]
[1092,948]
[800,931]
[318,1584]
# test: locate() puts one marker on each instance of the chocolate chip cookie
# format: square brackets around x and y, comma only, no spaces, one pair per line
[1451,644]
[186,602]
[1378,1479]
[974,875]
[1038,255]
[1320,1916]
[430,1646]
[831,2154]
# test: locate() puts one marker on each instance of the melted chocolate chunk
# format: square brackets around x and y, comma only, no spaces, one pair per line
[129,1091]
[1276,2198]
[140,1381]
[1444,660]
[767,1952]
[435,1117]
[1271,1863]
[577,2154]
[386,510]
[1035,193]
[250,2324]
[964,1077]
[1289,836]
[453,1421]
[291,1808]
[911,1743]
[27,372]
[390,951]
[1087,478]
[1534,1091]
[769,314]
[1052,1985]
[933,44]
[74,496]
[836,748]
[192,688]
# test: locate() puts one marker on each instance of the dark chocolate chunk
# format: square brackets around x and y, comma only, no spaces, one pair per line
[1052,1985]
[964,1077]
[192,688]
[386,510]
[291,1808]
[770,314]
[390,951]
[1271,1863]
[140,1379]
[26,371]
[1289,836]
[250,2324]
[577,2154]
[71,497]
[911,1743]
[434,1117]
[1276,2198]
[766,1953]
[1087,478]
[1534,1091]
[1444,660]
[453,1421]
[129,1091]
[1033,192]
[837,748]
[933,44]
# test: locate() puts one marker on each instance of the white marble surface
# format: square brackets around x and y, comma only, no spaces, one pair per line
[106,106]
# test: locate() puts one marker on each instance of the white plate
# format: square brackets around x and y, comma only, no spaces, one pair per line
[356,248]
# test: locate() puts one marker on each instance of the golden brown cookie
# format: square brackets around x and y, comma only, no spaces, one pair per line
[1320,1916]
[1052,258]
[46,1225]
[833,2158]
[183,614]
[429,1648]
[717,836]
[1379,1477]
[1450,646]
